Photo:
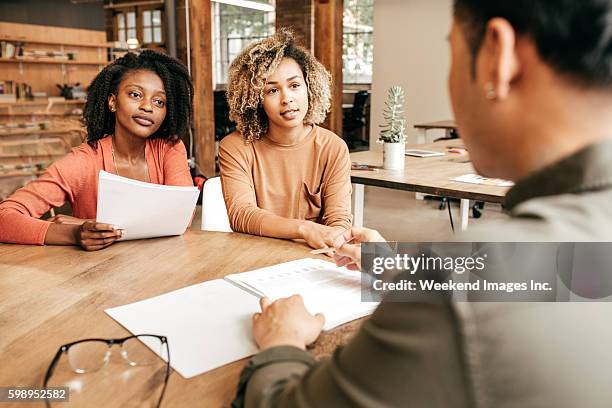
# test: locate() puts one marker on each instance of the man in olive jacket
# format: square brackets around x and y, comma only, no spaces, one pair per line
[531,87]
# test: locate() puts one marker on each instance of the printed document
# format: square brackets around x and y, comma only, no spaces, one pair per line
[209,324]
[144,210]
[326,288]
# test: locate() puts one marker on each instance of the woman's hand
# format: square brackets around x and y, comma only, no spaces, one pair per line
[348,246]
[319,236]
[66,219]
[93,236]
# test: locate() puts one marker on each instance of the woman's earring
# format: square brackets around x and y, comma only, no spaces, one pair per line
[490,91]
[112,108]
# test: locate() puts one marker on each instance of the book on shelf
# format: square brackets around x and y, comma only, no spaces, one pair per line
[7,49]
[8,98]
[7,87]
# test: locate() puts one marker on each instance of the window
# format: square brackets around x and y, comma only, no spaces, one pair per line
[126,25]
[357,42]
[235,27]
[141,23]
[151,26]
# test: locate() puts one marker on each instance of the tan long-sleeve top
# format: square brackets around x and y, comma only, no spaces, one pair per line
[310,180]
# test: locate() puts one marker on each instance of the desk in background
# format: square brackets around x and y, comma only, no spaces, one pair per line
[52,295]
[429,175]
[422,128]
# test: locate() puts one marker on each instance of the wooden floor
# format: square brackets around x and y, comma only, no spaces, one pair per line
[400,217]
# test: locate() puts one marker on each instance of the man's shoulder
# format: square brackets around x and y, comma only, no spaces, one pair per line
[559,218]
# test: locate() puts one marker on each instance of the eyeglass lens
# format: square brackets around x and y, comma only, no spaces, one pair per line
[90,356]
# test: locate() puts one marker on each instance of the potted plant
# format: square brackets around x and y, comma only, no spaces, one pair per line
[392,135]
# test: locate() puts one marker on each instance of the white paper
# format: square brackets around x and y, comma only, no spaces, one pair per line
[422,153]
[144,210]
[326,288]
[476,179]
[207,325]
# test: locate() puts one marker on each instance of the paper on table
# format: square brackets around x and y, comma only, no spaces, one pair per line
[207,325]
[144,210]
[326,288]
[476,179]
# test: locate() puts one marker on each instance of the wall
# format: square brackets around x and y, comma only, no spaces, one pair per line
[59,13]
[298,15]
[410,50]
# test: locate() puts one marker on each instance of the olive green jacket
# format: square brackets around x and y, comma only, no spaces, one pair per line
[443,354]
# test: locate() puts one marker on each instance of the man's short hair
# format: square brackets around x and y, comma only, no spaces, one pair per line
[573,36]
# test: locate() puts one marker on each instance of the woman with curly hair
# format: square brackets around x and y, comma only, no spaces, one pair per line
[137,109]
[282,175]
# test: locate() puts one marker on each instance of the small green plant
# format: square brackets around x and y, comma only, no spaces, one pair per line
[395,126]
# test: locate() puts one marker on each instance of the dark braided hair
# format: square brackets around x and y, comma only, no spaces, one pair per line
[100,121]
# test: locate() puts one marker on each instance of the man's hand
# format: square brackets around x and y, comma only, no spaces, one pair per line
[319,236]
[348,246]
[93,236]
[286,322]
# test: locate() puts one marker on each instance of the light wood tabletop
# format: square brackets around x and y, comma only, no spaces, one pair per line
[53,295]
[441,124]
[427,175]
[422,128]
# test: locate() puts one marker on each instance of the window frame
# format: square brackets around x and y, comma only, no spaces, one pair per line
[139,17]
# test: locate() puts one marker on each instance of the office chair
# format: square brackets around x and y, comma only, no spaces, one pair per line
[214,211]
[223,125]
[355,119]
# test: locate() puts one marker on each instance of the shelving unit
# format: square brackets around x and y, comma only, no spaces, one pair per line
[35,133]
[26,152]
[48,61]
[88,50]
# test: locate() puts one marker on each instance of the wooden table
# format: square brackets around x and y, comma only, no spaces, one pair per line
[428,175]
[53,295]
[446,125]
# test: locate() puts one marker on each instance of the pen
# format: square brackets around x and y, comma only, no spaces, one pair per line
[329,250]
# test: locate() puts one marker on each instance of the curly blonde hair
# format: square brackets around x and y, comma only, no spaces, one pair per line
[247,78]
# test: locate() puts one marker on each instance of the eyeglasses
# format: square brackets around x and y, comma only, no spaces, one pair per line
[90,355]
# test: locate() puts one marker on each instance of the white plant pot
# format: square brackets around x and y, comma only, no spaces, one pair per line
[393,156]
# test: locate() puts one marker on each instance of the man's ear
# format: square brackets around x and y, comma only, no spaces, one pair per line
[499,62]
[112,103]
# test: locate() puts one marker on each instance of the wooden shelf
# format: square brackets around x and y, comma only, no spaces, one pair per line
[28,114]
[64,43]
[50,61]
[39,132]
[23,173]
[44,102]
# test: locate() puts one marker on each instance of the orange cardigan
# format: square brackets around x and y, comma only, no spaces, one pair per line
[74,178]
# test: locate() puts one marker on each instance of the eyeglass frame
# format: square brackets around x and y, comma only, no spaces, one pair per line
[111,342]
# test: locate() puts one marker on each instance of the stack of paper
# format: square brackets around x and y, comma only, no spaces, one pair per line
[209,324]
[476,179]
[144,210]
[326,288]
